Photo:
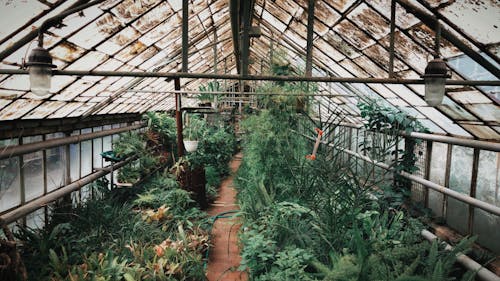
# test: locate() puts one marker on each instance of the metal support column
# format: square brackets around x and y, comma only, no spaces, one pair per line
[473,187]
[310,34]
[185,34]
[245,39]
[393,29]
[178,118]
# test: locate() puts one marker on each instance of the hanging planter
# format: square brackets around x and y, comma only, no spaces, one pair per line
[191,145]
[193,131]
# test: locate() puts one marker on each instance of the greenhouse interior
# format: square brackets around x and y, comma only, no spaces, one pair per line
[250,140]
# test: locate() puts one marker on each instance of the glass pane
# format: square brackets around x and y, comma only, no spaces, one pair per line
[486,225]
[457,213]
[97,149]
[10,184]
[55,164]
[86,154]
[36,219]
[86,193]
[74,159]
[33,171]
[437,175]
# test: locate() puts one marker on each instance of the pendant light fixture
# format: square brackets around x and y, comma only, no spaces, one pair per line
[40,71]
[435,81]
[435,74]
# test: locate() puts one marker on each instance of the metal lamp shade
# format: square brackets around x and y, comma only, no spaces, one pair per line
[40,71]
[435,81]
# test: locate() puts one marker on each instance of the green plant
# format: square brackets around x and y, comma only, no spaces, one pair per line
[163,125]
[195,128]
[391,122]
[212,86]
[131,143]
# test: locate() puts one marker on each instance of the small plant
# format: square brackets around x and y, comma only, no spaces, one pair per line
[205,96]
[195,128]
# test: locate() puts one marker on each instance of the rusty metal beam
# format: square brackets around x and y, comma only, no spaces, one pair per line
[245,39]
[185,34]
[235,30]
[173,75]
[178,118]
[11,151]
[391,38]
[310,35]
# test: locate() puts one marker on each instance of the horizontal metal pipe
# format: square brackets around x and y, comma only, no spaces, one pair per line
[439,188]
[11,151]
[492,209]
[173,75]
[486,145]
[482,272]
[239,93]
[51,197]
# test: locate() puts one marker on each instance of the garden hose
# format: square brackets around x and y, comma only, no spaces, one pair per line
[222,215]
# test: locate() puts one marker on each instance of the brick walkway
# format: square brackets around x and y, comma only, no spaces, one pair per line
[224,256]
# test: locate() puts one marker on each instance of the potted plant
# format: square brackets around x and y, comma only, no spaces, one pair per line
[205,96]
[193,131]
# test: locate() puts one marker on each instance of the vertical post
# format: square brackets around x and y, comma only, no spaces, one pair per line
[21,179]
[391,48]
[447,177]
[428,159]
[473,187]
[245,39]
[437,39]
[215,66]
[178,117]
[310,34]
[185,30]
[45,180]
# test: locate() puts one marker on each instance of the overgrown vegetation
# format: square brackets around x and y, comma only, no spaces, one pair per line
[390,122]
[153,231]
[320,220]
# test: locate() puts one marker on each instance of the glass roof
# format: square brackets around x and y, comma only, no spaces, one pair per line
[351,39]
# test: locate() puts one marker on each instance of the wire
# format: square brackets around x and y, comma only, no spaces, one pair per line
[222,215]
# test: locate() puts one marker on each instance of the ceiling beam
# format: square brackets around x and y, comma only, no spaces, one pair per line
[310,35]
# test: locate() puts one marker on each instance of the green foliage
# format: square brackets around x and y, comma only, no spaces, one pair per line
[130,143]
[319,220]
[162,124]
[107,239]
[195,128]
[389,121]
[289,264]
[212,86]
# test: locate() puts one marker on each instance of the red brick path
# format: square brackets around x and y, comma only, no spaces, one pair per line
[224,256]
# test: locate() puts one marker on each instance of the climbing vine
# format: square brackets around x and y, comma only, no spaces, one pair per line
[391,122]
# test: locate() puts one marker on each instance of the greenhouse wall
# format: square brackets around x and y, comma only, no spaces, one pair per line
[470,171]
[33,175]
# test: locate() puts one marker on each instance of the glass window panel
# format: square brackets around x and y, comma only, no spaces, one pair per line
[486,225]
[55,164]
[10,184]
[86,193]
[86,155]
[36,220]
[437,175]
[33,171]
[74,158]
[97,149]
[457,213]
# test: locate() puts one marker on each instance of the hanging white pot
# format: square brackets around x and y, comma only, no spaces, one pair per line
[191,145]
